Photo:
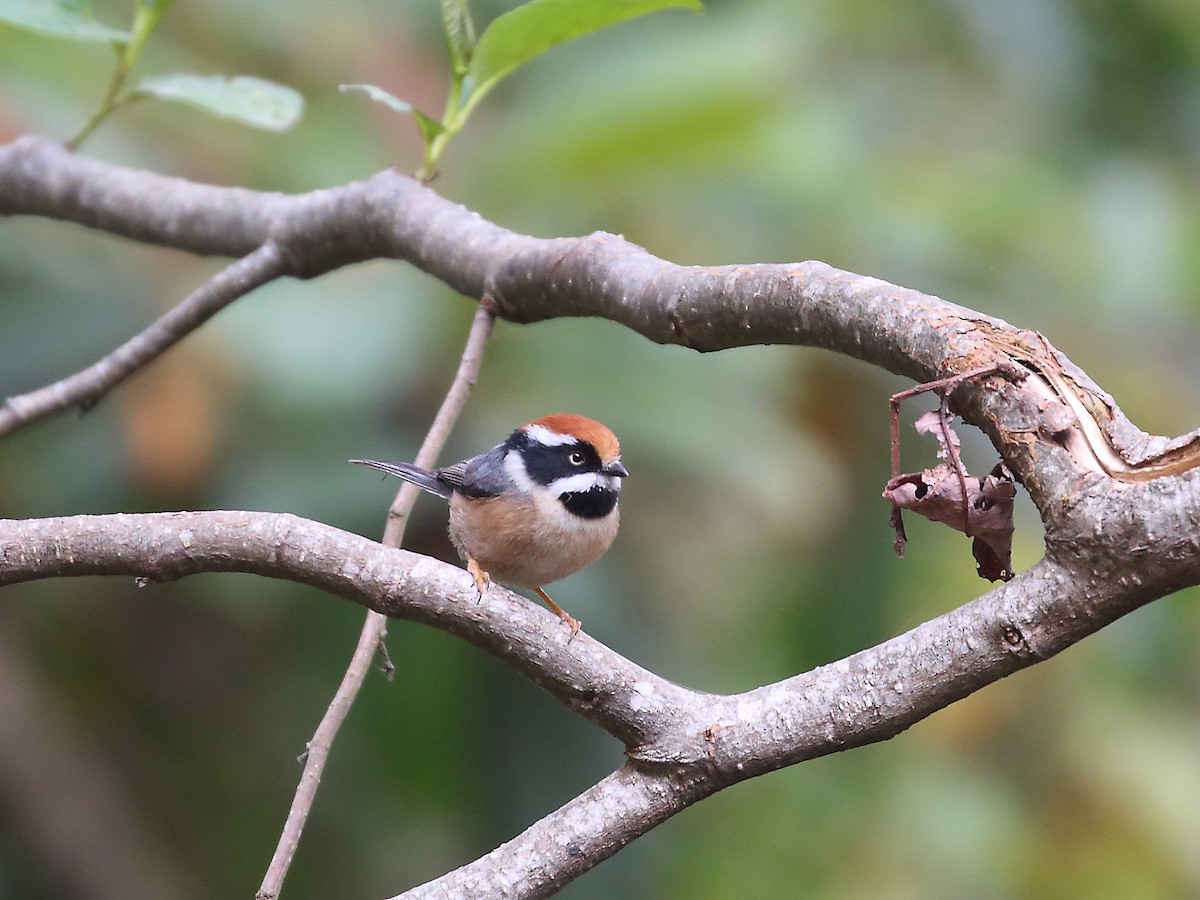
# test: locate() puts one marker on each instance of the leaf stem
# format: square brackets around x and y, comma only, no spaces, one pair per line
[454,116]
[128,53]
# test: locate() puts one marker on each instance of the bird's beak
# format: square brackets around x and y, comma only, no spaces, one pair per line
[616,469]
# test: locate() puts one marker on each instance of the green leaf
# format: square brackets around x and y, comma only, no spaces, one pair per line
[527,31]
[70,19]
[145,20]
[427,125]
[252,101]
[460,33]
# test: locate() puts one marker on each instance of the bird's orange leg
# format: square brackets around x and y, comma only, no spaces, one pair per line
[559,611]
[482,579]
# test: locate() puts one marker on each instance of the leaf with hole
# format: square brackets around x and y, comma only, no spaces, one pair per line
[981,508]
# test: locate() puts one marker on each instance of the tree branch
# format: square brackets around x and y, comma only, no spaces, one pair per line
[561,847]
[532,279]
[1119,506]
[682,744]
[87,387]
[614,693]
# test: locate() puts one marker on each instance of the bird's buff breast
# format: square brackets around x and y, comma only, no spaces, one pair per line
[520,543]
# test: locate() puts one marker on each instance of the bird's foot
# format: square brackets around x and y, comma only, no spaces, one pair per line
[571,621]
[482,579]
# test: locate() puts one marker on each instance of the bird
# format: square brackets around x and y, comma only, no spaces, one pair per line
[534,509]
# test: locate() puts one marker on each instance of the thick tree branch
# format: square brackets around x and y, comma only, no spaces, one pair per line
[682,744]
[530,279]
[616,694]
[565,844]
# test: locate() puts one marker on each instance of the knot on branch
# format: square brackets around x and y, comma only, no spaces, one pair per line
[1014,641]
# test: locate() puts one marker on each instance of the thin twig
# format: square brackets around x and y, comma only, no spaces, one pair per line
[87,387]
[374,628]
[945,387]
[954,457]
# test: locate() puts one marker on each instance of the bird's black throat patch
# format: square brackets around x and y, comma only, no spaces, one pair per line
[594,504]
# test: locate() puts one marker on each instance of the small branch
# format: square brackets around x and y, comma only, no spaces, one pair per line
[374,628]
[87,387]
[447,415]
[316,754]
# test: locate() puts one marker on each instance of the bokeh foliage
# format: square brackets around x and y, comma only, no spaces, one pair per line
[1032,159]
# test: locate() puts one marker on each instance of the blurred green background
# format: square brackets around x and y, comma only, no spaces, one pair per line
[1036,160]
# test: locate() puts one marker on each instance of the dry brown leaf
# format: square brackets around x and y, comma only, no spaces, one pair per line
[987,516]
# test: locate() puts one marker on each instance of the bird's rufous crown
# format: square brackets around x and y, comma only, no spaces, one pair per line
[599,436]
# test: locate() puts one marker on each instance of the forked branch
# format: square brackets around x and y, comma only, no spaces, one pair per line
[682,745]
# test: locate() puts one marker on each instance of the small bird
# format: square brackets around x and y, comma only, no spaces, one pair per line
[534,509]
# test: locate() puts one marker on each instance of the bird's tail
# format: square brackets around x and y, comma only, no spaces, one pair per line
[422,478]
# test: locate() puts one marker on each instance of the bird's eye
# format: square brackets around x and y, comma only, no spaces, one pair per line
[575,458]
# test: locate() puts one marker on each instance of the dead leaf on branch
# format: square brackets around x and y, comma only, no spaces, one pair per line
[937,494]
[980,508]
[933,423]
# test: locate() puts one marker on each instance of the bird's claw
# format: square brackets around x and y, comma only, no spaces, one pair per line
[482,579]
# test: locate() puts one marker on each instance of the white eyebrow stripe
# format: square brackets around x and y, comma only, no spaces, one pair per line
[547,438]
[584,482]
